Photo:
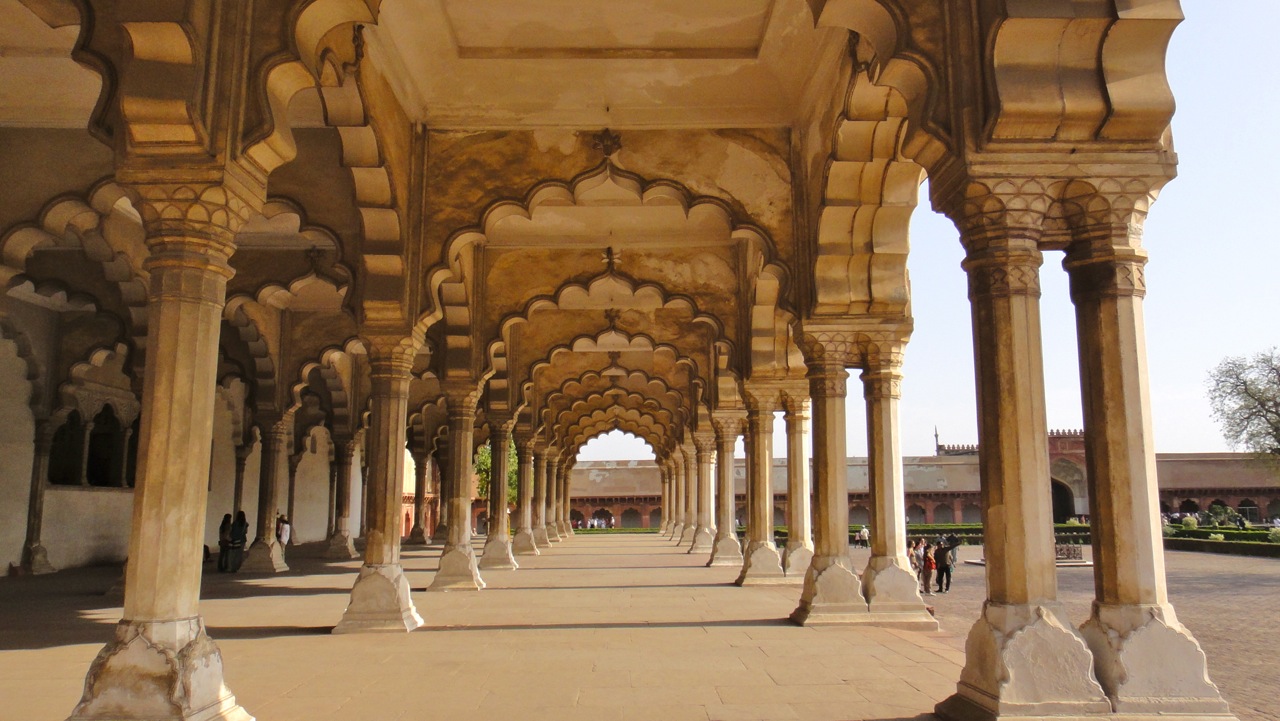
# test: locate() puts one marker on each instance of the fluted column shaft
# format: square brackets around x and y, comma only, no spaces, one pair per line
[524,543]
[242,460]
[161,656]
[540,535]
[265,554]
[888,581]
[35,559]
[340,542]
[458,565]
[799,550]
[553,495]
[418,532]
[1003,264]
[380,598]
[1131,609]
[761,562]
[497,548]
[726,551]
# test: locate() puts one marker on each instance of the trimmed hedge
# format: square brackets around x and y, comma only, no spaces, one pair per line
[1228,534]
[1235,548]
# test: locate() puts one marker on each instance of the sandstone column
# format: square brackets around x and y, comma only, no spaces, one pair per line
[1146,661]
[86,430]
[524,543]
[161,662]
[540,536]
[418,533]
[832,592]
[799,551]
[1023,635]
[761,562]
[242,459]
[704,532]
[380,598]
[664,487]
[553,491]
[727,550]
[497,549]
[35,559]
[677,494]
[264,555]
[458,568]
[125,434]
[443,493]
[690,492]
[295,459]
[566,497]
[331,518]
[340,545]
[891,588]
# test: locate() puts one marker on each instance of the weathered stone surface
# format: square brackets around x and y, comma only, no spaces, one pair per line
[459,571]
[158,670]
[379,602]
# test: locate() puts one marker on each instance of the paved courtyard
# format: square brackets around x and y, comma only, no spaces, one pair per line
[619,627]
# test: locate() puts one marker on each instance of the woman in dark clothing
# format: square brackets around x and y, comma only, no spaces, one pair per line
[239,536]
[224,544]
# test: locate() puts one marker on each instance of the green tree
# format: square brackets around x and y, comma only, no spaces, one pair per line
[483,465]
[1245,396]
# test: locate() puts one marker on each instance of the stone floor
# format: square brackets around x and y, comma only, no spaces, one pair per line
[616,627]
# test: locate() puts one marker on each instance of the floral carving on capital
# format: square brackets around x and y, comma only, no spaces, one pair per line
[991,209]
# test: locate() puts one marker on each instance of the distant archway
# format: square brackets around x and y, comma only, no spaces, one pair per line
[1249,510]
[604,514]
[1064,502]
[655,518]
[575,517]
[779,516]
[1189,506]
[105,466]
[631,518]
[1273,509]
[858,516]
[971,513]
[66,452]
[915,513]
[944,513]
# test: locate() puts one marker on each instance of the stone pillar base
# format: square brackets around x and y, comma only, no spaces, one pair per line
[832,594]
[417,537]
[703,540]
[166,670]
[796,558]
[497,555]
[686,535]
[441,534]
[1148,663]
[35,560]
[676,532]
[761,565]
[727,551]
[890,586]
[524,544]
[379,602]
[341,547]
[541,538]
[264,557]
[458,570]
[566,529]
[1024,661]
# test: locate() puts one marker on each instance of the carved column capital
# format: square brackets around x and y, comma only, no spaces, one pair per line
[828,347]
[729,425]
[795,406]
[704,442]
[828,381]
[193,218]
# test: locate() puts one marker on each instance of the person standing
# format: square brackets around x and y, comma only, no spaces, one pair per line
[945,554]
[239,536]
[224,544]
[927,567]
[284,532]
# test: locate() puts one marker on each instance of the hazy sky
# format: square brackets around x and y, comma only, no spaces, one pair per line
[1211,279]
